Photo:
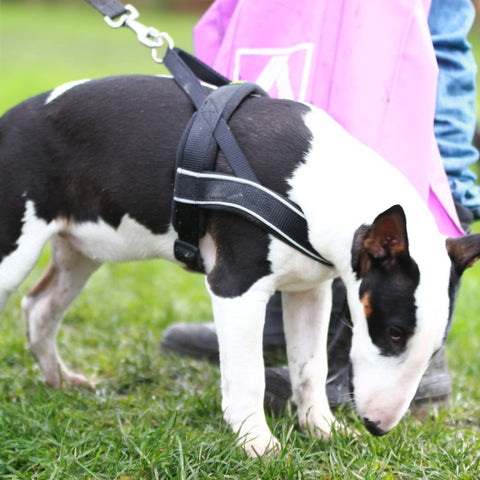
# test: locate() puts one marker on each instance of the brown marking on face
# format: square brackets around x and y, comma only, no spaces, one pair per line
[471,263]
[367,306]
[398,248]
[45,281]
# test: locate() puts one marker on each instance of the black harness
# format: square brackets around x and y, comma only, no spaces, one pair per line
[197,186]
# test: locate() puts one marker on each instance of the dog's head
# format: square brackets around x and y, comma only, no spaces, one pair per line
[401,309]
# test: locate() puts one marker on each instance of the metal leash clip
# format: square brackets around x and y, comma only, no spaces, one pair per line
[148,36]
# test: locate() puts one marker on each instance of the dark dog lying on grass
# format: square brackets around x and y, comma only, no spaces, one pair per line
[90,166]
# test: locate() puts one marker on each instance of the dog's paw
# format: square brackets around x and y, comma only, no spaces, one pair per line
[256,439]
[317,424]
[66,379]
[77,380]
[261,445]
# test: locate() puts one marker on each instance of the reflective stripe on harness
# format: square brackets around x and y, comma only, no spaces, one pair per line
[273,212]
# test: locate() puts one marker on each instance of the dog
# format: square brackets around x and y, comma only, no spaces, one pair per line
[90,165]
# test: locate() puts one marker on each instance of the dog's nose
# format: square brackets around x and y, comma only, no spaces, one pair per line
[373,427]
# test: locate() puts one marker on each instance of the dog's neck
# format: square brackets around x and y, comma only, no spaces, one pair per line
[342,169]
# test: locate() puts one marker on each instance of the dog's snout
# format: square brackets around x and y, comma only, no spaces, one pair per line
[373,427]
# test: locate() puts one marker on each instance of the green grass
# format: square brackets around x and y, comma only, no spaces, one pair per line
[157,416]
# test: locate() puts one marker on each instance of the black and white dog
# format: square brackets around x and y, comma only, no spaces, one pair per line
[90,167]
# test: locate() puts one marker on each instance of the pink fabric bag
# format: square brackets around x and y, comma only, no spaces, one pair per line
[369,64]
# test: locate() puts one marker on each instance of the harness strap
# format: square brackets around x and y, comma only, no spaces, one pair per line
[214,110]
[206,131]
[210,128]
[108,8]
[274,213]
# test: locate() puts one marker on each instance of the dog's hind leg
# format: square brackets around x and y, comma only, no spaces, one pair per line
[239,324]
[43,308]
[306,316]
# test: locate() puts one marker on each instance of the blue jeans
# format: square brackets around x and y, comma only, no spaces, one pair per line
[450,22]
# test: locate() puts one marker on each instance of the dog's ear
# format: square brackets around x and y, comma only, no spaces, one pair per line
[464,251]
[382,242]
[387,237]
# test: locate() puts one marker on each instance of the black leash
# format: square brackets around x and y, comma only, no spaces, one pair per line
[197,186]
[108,8]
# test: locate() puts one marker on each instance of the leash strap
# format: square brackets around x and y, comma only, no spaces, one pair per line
[108,8]
[181,64]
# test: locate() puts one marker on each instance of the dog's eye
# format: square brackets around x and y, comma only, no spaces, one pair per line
[396,334]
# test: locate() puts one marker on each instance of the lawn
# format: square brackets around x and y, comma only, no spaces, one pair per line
[154,415]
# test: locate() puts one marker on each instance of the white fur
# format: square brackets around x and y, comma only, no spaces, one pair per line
[384,387]
[306,317]
[77,251]
[130,241]
[239,324]
[43,309]
[57,92]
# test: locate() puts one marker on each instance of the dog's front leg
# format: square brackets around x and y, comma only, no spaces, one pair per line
[239,323]
[306,316]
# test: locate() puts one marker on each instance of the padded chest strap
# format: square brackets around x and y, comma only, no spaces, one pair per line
[274,213]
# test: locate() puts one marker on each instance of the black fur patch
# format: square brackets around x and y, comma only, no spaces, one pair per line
[392,315]
[387,292]
[101,150]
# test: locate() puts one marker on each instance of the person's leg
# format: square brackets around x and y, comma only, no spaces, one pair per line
[454,126]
